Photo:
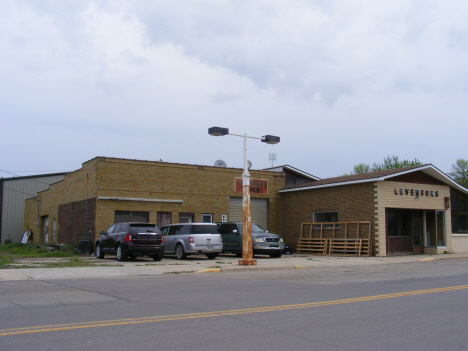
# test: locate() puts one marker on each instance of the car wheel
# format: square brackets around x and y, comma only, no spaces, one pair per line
[99,252]
[212,256]
[120,253]
[179,252]
[158,256]
[275,255]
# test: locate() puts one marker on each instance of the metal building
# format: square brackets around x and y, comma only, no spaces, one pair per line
[13,192]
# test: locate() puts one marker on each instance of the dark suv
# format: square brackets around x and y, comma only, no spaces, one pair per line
[131,240]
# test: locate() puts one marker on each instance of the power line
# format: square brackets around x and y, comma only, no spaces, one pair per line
[19,191]
[32,179]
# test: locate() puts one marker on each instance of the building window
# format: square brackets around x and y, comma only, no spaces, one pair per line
[185,217]
[131,216]
[399,222]
[207,218]
[462,223]
[326,217]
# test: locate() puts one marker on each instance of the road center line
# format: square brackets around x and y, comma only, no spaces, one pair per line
[129,321]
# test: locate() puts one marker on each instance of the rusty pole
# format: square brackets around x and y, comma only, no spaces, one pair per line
[247,253]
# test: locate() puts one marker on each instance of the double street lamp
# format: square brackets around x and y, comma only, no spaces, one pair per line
[247,254]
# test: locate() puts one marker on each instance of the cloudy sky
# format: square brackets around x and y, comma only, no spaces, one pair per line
[341,82]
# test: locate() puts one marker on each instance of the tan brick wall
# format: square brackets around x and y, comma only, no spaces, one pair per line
[203,189]
[385,197]
[76,186]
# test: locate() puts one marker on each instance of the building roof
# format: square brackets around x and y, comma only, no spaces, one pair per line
[33,176]
[429,169]
[291,169]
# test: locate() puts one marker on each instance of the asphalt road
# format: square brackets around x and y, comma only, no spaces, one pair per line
[408,306]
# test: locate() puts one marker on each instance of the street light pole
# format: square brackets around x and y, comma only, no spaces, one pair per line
[247,252]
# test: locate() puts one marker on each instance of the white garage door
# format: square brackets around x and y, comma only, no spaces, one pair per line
[258,211]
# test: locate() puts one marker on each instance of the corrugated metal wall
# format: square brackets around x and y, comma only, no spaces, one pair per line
[258,211]
[15,191]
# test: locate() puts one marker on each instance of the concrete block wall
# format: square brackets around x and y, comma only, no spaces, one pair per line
[385,197]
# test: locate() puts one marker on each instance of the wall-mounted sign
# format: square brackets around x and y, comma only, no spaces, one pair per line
[257,186]
[416,192]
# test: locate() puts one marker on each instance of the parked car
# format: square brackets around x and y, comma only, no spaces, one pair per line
[131,240]
[263,243]
[192,238]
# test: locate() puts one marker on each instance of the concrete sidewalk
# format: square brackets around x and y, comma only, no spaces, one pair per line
[110,267]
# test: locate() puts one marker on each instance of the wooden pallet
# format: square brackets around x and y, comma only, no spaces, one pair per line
[312,245]
[349,247]
[308,242]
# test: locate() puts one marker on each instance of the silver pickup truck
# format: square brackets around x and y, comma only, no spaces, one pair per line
[192,238]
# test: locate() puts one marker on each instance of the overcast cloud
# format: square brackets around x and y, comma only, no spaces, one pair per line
[341,82]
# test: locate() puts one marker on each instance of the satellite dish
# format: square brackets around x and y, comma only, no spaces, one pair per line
[249,164]
[220,163]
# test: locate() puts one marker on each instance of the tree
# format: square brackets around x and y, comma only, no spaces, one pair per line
[459,172]
[361,168]
[392,162]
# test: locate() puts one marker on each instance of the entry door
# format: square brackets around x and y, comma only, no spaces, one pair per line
[417,239]
[46,229]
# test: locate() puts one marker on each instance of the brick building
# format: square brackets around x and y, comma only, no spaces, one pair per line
[410,210]
[108,190]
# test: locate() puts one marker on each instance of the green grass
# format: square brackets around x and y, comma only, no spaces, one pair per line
[73,262]
[10,252]
[5,261]
[17,250]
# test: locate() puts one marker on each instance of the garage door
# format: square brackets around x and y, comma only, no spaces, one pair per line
[258,211]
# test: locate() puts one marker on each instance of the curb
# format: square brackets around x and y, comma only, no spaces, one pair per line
[249,268]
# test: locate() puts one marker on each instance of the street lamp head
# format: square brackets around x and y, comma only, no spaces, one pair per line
[270,139]
[218,131]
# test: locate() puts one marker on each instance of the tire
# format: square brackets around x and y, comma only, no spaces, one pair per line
[211,256]
[276,255]
[179,252]
[158,256]
[120,253]
[99,252]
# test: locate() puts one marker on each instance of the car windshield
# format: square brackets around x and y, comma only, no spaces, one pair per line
[255,228]
[204,229]
[142,228]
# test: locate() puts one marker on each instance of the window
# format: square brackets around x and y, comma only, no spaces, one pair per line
[173,230]
[207,218]
[462,223]
[185,217]
[325,217]
[399,222]
[131,216]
